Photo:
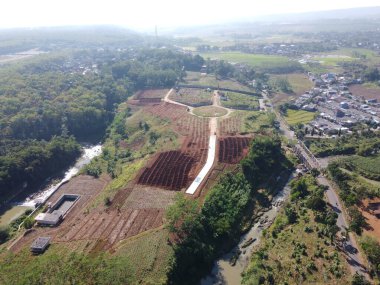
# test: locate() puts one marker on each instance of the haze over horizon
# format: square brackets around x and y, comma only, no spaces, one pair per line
[145,14]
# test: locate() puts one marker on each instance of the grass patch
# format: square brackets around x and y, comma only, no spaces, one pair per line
[295,117]
[255,60]
[298,81]
[368,56]
[128,172]
[240,101]
[256,121]
[142,259]
[210,111]
[332,60]
[150,255]
[195,78]
[147,134]
[264,63]
[371,85]
[245,122]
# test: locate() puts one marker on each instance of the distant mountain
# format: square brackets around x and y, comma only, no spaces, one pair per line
[354,19]
[352,13]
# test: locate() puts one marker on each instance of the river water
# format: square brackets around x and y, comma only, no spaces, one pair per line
[223,271]
[88,153]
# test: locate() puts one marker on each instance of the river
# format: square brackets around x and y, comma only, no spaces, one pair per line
[89,152]
[223,271]
[18,208]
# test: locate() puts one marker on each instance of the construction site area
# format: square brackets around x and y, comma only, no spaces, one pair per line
[191,162]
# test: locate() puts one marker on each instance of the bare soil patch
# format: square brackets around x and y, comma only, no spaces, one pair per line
[145,197]
[364,92]
[372,220]
[151,94]
[170,171]
[233,149]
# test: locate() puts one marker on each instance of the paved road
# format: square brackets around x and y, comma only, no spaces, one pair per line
[353,256]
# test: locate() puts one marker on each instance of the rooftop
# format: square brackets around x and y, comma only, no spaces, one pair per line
[49,218]
[40,244]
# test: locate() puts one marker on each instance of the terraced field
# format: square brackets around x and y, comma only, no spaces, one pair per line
[192,97]
[169,171]
[233,149]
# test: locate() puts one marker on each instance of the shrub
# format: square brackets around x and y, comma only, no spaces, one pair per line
[359,280]
[107,201]
[4,234]
[28,223]
[372,249]
[93,170]
[358,222]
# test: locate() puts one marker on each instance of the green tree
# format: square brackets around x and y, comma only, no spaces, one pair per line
[182,215]
[359,279]
[358,221]
[4,234]
[372,249]
[291,214]
[28,223]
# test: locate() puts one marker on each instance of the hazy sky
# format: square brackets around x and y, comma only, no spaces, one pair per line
[142,14]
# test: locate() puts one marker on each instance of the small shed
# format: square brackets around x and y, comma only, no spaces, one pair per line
[48,219]
[40,244]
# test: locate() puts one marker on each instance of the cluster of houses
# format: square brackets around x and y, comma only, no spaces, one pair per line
[338,110]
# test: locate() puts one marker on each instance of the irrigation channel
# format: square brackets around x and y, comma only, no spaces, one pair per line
[228,269]
[17,208]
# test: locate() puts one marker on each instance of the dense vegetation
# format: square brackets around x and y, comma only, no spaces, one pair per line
[299,246]
[364,144]
[352,191]
[32,161]
[368,167]
[200,237]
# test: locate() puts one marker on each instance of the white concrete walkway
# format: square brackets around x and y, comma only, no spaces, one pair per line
[210,158]
[206,168]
